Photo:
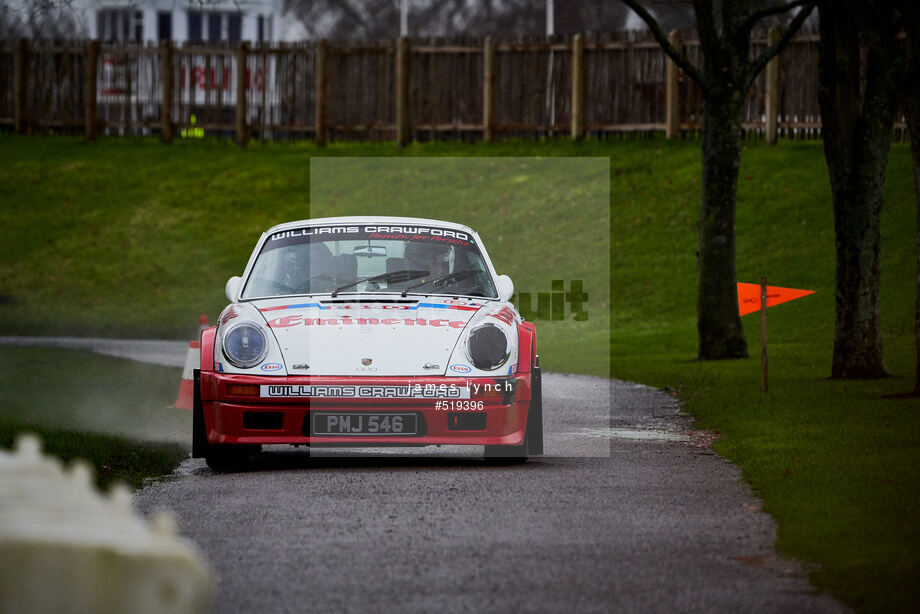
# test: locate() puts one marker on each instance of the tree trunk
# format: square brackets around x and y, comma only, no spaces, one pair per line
[857,331]
[857,120]
[914,120]
[912,106]
[718,322]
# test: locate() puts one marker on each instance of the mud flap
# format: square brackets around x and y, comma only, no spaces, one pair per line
[535,413]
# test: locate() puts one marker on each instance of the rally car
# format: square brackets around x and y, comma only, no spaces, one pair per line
[368,331]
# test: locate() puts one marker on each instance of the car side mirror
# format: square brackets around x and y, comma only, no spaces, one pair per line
[505,287]
[232,289]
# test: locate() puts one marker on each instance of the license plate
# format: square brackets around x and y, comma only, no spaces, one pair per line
[359,423]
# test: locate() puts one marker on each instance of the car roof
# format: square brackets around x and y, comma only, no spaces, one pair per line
[368,219]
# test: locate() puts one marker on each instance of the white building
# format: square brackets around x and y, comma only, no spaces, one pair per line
[193,21]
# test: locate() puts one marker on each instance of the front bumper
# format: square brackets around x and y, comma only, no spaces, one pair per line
[232,416]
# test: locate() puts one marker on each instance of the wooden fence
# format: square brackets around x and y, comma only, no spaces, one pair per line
[390,90]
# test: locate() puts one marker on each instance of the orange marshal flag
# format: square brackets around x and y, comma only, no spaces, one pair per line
[749,296]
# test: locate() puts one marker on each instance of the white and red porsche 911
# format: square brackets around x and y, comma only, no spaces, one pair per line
[368,331]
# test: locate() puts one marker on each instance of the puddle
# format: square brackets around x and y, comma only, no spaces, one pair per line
[636,434]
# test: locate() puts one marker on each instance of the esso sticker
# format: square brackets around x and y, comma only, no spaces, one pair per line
[460,368]
[271,366]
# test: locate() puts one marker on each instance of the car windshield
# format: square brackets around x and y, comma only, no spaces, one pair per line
[369,258]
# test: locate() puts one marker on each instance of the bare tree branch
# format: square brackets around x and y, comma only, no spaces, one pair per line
[680,59]
[779,9]
[770,52]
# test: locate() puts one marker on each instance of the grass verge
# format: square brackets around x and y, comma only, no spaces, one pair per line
[82,391]
[115,459]
[114,413]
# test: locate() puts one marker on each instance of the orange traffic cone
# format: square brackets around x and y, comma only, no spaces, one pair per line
[185,399]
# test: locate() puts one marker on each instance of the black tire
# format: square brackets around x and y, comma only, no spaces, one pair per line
[225,458]
[199,434]
[533,432]
[506,455]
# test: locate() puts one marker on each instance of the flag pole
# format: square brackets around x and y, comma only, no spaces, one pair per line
[763,334]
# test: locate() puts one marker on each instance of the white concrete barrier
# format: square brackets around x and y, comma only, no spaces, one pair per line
[65,548]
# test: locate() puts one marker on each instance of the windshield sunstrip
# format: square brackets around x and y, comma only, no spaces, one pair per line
[407,233]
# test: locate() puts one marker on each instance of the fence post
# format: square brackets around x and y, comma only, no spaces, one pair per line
[672,90]
[241,133]
[92,68]
[578,86]
[402,91]
[20,85]
[166,93]
[488,89]
[319,89]
[771,96]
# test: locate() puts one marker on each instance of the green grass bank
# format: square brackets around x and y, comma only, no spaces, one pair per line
[115,413]
[125,238]
[115,459]
[133,238]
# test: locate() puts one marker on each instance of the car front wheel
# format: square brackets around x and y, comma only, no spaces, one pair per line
[218,457]
[229,457]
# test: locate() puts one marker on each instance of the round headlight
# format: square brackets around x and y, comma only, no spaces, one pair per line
[487,347]
[244,345]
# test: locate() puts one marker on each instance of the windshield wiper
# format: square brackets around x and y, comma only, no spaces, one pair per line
[445,280]
[395,276]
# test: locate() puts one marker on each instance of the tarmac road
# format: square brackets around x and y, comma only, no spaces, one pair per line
[630,511]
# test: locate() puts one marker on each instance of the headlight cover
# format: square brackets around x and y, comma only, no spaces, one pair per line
[244,345]
[487,347]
